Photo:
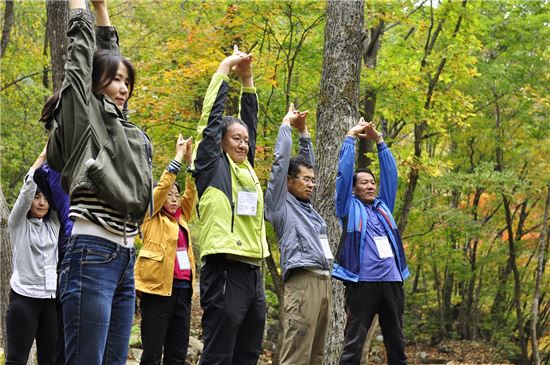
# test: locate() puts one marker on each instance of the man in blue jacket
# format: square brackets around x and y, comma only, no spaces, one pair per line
[370,258]
[305,255]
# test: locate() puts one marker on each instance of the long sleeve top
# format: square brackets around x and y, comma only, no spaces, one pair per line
[34,246]
[49,183]
[354,218]
[298,225]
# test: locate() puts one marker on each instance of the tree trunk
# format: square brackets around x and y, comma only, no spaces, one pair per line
[8,22]
[420,127]
[279,291]
[543,246]
[370,336]
[370,57]
[56,31]
[5,266]
[337,112]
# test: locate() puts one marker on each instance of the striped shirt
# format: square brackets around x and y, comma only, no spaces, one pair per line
[86,205]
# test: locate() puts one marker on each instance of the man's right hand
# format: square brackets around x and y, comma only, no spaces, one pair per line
[359,129]
[296,119]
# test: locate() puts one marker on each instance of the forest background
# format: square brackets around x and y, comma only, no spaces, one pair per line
[459,88]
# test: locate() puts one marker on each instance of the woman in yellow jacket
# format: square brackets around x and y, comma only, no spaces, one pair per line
[165,266]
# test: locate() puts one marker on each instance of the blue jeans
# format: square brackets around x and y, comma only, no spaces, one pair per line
[96,284]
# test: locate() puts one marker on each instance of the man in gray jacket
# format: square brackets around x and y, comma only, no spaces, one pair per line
[305,253]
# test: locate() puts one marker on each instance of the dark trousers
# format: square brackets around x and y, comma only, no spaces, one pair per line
[363,301]
[60,347]
[165,323]
[233,300]
[27,319]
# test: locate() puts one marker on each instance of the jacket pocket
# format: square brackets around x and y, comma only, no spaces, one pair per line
[122,175]
[150,264]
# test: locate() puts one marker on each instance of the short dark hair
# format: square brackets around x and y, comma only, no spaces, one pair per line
[358,171]
[105,67]
[296,162]
[228,121]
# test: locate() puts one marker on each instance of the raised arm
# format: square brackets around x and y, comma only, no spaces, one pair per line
[306,147]
[106,35]
[71,115]
[80,51]
[49,183]
[388,168]
[210,123]
[168,177]
[187,202]
[346,168]
[277,186]
[24,200]
[248,107]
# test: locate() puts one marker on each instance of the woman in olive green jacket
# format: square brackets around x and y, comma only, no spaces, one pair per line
[165,266]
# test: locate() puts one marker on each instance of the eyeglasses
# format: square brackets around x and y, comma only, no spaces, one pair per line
[306,179]
[173,197]
[239,141]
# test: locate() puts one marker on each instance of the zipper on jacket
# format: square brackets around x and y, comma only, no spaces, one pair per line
[232,215]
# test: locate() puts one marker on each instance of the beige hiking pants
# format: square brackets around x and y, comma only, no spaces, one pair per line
[307,304]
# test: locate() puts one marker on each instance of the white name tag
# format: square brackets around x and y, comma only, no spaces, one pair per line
[183,260]
[51,277]
[383,246]
[247,203]
[326,247]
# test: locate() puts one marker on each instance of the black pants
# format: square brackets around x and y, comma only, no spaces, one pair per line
[363,301]
[60,347]
[27,319]
[165,323]
[233,300]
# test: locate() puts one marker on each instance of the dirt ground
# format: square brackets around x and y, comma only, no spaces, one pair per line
[448,352]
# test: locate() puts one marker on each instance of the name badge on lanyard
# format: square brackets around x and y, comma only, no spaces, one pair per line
[383,247]
[247,203]
[183,260]
[51,277]
[326,247]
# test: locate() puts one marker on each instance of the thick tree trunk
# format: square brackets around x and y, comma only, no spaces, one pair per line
[8,22]
[543,247]
[279,291]
[56,31]
[5,266]
[337,112]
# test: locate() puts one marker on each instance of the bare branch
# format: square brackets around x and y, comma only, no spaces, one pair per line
[14,82]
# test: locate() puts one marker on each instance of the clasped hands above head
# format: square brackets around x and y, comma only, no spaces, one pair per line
[365,130]
[296,118]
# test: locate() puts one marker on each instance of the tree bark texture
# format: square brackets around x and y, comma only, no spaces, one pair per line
[371,46]
[56,31]
[542,249]
[337,112]
[5,266]
[8,23]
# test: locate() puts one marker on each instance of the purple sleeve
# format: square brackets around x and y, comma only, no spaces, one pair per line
[49,183]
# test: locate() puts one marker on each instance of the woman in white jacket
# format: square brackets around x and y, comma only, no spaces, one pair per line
[31,312]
